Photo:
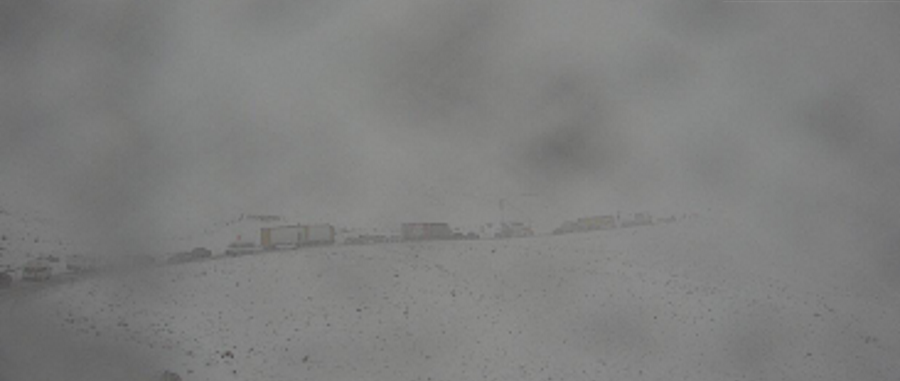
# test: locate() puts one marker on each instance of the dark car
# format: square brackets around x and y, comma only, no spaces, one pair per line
[197,253]
[37,270]
[201,252]
[182,257]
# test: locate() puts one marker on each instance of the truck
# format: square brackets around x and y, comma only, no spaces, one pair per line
[296,235]
[514,230]
[272,238]
[420,231]
[36,271]
[566,228]
[607,222]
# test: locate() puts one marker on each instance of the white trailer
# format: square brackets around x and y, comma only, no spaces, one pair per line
[321,234]
[281,236]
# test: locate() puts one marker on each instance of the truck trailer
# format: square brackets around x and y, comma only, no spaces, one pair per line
[607,222]
[321,234]
[421,231]
[281,237]
[297,235]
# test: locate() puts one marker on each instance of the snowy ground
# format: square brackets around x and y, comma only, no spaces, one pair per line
[652,303]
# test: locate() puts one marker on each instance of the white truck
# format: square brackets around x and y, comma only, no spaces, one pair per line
[282,236]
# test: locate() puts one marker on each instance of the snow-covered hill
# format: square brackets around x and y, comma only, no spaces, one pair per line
[653,303]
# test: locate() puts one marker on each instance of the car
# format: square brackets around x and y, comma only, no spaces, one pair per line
[195,254]
[181,257]
[201,252]
[37,271]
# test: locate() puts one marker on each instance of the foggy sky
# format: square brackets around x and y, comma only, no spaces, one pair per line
[149,118]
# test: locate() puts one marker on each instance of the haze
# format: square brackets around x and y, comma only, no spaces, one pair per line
[150,119]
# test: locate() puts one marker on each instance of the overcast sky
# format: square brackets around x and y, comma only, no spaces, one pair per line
[148,117]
